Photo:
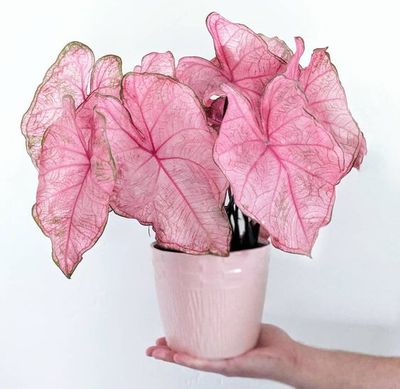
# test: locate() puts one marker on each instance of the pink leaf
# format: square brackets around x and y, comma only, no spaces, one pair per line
[166,174]
[283,170]
[107,76]
[293,69]
[243,55]
[69,75]
[76,179]
[242,59]
[162,63]
[328,104]
[278,47]
[204,77]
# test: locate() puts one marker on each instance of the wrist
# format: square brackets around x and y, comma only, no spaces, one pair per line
[289,367]
[301,371]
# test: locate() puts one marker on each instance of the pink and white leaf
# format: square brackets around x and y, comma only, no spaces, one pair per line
[328,104]
[107,76]
[69,75]
[242,59]
[76,179]
[168,178]
[161,63]
[244,56]
[282,170]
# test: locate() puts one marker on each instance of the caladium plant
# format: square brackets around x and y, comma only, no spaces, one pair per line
[216,155]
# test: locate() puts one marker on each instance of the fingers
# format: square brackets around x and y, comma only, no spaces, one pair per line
[165,354]
[162,352]
[220,366]
[160,342]
[150,350]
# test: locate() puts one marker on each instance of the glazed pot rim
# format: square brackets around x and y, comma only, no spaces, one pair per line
[266,246]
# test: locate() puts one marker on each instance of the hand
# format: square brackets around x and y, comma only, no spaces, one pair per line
[274,357]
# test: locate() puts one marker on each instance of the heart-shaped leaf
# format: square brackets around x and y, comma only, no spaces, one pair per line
[328,104]
[166,175]
[161,63]
[70,75]
[282,170]
[243,59]
[76,179]
[244,56]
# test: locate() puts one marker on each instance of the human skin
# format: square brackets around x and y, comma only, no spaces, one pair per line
[278,357]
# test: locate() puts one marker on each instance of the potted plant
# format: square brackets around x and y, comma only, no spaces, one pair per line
[221,157]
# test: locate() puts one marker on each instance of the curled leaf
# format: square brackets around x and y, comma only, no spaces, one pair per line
[204,77]
[166,175]
[215,113]
[161,63]
[69,75]
[278,47]
[76,179]
[328,104]
[242,59]
[282,170]
[293,69]
[244,56]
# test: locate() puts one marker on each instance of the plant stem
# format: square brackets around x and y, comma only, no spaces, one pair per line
[249,237]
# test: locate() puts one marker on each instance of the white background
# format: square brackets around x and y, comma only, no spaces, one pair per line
[91,332]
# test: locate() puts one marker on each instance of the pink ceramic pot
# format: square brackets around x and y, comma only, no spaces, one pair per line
[211,306]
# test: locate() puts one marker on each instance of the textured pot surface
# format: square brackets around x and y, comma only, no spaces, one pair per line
[211,306]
